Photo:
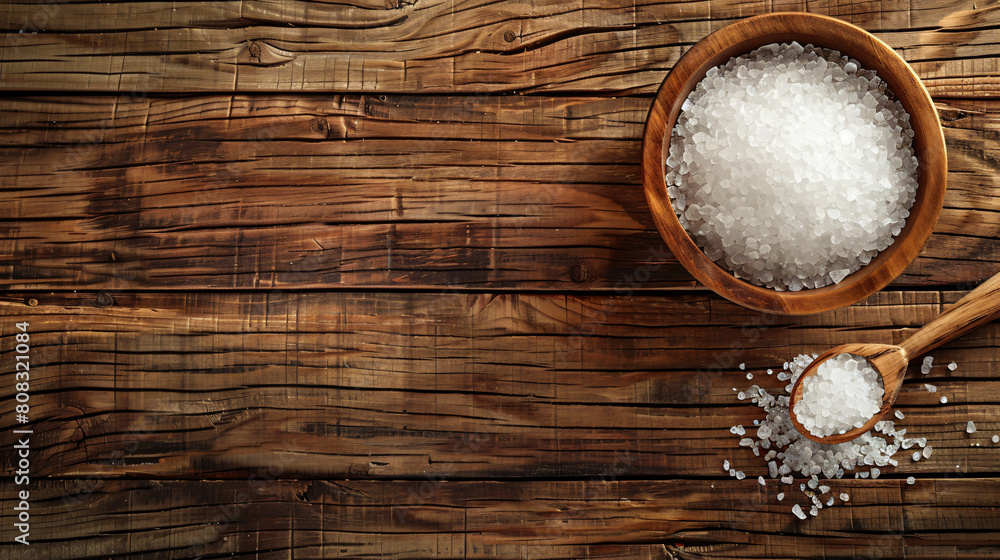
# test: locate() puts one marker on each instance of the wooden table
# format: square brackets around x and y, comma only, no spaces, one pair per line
[376,278]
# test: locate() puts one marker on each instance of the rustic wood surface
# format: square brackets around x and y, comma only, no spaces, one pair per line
[377,278]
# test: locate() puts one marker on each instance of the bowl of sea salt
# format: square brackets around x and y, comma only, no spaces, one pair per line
[793,163]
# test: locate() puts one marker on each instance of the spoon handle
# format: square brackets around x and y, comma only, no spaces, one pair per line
[978,307]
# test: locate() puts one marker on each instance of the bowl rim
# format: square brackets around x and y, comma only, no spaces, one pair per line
[741,37]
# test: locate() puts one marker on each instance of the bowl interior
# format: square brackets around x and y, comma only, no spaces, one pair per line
[743,37]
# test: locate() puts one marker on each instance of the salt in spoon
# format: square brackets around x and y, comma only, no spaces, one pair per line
[978,307]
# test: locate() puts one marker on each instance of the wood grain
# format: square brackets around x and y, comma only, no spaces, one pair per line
[397,385]
[444,47]
[535,193]
[608,518]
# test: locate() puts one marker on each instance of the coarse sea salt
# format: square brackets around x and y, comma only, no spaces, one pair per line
[925,366]
[843,394]
[792,166]
[787,451]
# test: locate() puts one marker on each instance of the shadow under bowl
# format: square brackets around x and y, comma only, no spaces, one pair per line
[825,32]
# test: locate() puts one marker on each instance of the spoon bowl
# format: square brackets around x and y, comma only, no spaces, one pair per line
[888,361]
[978,307]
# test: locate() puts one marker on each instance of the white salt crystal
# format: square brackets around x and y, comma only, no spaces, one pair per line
[814,511]
[970,428]
[742,161]
[781,496]
[760,479]
[996,438]
[927,451]
[725,465]
[916,455]
[797,510]
[740,475]
[749,376]
[925,366]
[952,366]
[899,414]
[930,388]
[829,502]
[845,497]
[794,453]
[911,480]
[742,366]
[844,393]
[944,400]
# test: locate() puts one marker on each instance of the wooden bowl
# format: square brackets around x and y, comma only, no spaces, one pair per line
[820,31]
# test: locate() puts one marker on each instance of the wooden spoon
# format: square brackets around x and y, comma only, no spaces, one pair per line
[978,307]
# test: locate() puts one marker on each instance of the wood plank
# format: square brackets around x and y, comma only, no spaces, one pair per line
[396,385]
[641,519]
[443,46]
[536,193]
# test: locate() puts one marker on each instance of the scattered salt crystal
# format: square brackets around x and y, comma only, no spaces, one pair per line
[749,376]
[996,438]
[970,428]
[844,393]
[899,414]
[740,475]
[732,472]
[725,465]
[737,430]
[781,496]
[790,452]
[927,451]
[742,161]
[742,366]
[930,388]
[925,366]
[761,480]
[944,400]
[770,372]
[814,511]
[911,480]
[845,497]
[916,455]
[952,366]
[829,502]
[797,510]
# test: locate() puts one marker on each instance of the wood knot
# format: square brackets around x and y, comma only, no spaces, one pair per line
[509,36]
[320,125]
[579,273]
[32,302]
[105,300]
[254,49]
